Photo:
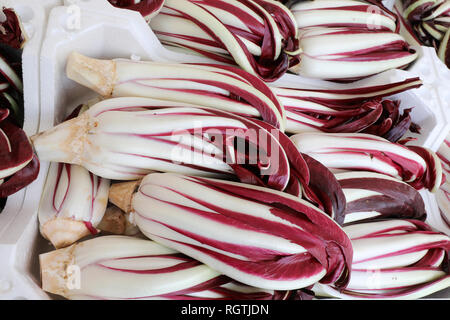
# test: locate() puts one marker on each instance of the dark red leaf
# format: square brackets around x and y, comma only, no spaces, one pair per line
[20,179]
[11,32]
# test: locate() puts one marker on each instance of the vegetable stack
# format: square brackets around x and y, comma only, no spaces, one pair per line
[230,181]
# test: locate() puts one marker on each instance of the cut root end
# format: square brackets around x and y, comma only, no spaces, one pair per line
[62,232]
[98,75]
[121,194]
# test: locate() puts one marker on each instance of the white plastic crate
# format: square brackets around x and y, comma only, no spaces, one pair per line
[94,28]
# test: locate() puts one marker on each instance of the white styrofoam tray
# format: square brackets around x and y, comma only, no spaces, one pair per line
[96,29]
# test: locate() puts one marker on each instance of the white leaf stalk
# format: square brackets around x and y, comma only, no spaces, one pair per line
[12,31]
[343,53]
[73,203]
[311,109]
[10,75]
[249,233]
[417,166]
[348,40]
[394,259]
[127,268]
[343,13]
[443,194]
[15,149]
[260,36]
[444,48]
[220,87]
[372,196]
[127,138]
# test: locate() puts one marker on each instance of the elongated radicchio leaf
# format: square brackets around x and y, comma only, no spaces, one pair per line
[200,141]
[417,166]
[11,32]
[147,8]
[394,259]
[142,270]
[323,190]
[443,195]
[392,125]
[258,35]
[205,85]
[444,49]
[323,56]
[358,109]
[429,22]
[18,164]
[298,243]
[370,15]
[376,196]
[15,149]
[20,179]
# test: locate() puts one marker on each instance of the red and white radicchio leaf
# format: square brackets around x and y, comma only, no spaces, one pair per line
[258,236]
[414,165]
[345,54]
[128,268]
[428,21]
[260,36]
[323,191]
[370,15]
[443,194]
[147,8]
[373,196]
[361,109]
[394,259]
[220,87]
[11,30]
[131,137]
[73,203]
[15,149]
[20,179]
